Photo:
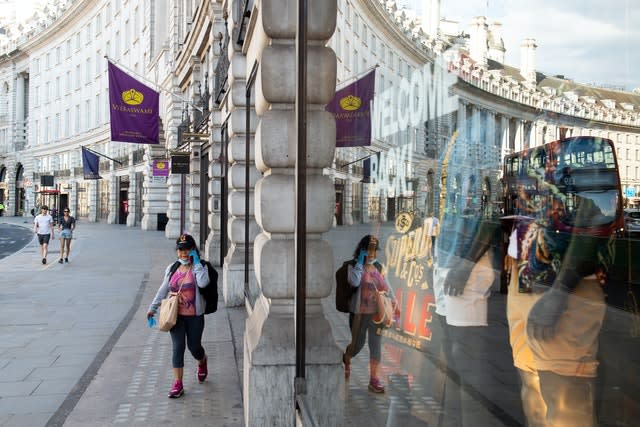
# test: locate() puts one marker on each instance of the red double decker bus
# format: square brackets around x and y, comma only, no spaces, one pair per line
[549,182]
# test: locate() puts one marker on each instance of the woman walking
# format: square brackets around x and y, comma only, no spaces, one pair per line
[66,227]
[365,274]
[190,275]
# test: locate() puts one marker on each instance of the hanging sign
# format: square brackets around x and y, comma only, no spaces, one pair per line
[180,163]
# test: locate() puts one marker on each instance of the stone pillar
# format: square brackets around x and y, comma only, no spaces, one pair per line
[114,198]
[214,244]
[504,132]
[233,270]
[93,198]
[155,189]
[174,118]
[193,192]
[214,188]
[492,156]
[519,141]
[269,346]
[172,231]
[347,199]
[462,120]
[20,100]
[131,193]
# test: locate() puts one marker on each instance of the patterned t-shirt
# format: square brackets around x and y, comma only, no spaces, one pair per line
[368,298]
[187,305]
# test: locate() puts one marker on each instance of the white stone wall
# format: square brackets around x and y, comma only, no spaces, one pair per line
[269,364]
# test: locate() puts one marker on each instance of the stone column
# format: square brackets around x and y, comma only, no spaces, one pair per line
[155,199]
[174,118]
[492,156]
[504,132]
[193,192]
[269,346]
[519,140]
[462,120]
[114,198]
[233,269]
[214,188]
[93,196]
[347,199]
[131,193]
[214,243]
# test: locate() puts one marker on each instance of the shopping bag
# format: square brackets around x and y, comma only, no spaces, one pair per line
[384,316]
[168,312]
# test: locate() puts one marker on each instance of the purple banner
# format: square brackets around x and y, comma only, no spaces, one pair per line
[161,168]
[351,107]
[90,165]
[134,109]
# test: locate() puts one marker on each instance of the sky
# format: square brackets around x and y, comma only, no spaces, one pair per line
[589,41]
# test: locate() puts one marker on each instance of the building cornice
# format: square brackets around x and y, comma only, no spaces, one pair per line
[77,12]
[509,89]
[387,25]
[196,41]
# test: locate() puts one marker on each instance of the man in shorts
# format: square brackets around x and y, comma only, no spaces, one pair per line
[43,227]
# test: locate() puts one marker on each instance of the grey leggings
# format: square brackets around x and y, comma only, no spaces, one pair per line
[191,327]
[361,325]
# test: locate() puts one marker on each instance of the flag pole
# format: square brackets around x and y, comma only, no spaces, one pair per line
[361,158]
[100,154]
[155,85]
[355,77]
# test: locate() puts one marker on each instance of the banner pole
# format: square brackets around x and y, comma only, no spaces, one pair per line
[100,154]
[156,85]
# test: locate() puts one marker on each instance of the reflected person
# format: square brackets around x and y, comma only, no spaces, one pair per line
[367,277]
[466,289]
[555,310]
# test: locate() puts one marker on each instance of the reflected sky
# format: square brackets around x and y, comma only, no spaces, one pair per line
[589,41]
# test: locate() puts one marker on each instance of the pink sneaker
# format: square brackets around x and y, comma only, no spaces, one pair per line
[177,390]
[376,386]
[203,371]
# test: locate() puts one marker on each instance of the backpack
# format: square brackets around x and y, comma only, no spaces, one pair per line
[344,290]
[210,292]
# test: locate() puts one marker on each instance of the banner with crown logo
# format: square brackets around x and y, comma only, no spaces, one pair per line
[351,107]
[133,108]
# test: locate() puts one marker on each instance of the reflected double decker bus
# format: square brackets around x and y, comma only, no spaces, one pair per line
[551,181]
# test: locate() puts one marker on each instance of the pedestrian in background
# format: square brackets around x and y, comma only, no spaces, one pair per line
[43,227]
[66,227]
[1,208]
[190,275]
[367,277]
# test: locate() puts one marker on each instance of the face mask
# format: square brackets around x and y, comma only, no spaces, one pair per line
[183,261]
[372,261]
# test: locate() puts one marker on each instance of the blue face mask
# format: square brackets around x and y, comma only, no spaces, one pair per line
[183,261]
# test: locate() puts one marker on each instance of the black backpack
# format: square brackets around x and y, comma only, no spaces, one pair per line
[210,292]
[344,290]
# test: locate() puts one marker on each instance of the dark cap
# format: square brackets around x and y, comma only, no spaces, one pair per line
[185,241]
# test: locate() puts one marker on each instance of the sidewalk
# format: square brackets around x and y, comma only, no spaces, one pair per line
[76,349]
